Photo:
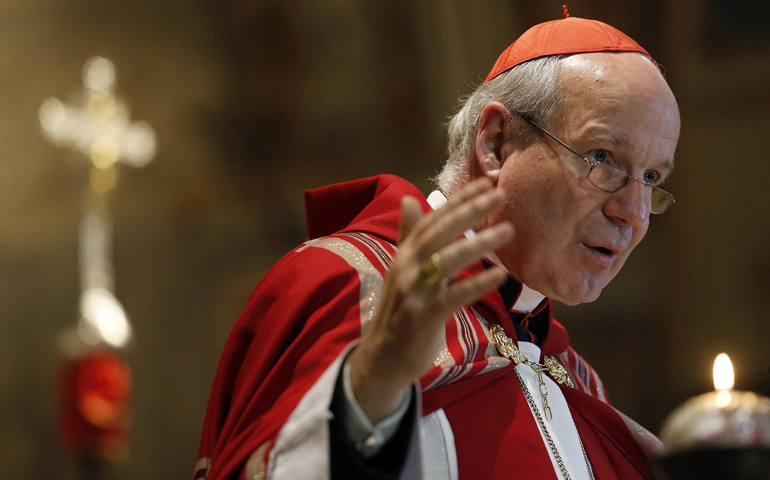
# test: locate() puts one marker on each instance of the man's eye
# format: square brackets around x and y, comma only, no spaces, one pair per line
[599,156]
[651,177]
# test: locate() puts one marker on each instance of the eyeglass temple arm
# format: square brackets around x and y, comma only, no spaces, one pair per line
[536,125]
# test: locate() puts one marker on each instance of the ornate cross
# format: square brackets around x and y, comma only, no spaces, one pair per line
[99,128]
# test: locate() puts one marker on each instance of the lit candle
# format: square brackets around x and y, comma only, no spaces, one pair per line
[724,434]
[724,378]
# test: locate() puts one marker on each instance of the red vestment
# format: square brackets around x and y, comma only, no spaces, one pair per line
[314,303]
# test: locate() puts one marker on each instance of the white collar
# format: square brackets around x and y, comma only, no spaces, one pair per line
[529,299]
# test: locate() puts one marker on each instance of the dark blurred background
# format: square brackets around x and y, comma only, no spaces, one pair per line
[254,101]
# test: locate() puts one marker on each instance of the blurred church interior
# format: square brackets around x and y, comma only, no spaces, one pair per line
[254,101]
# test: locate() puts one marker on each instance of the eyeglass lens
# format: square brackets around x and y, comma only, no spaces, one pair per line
[611,179]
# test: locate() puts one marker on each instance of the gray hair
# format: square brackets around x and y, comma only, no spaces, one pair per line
[530,88]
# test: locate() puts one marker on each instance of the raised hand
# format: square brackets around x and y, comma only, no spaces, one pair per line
[404,337]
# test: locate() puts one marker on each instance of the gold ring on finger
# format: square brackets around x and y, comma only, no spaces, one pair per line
[431,271]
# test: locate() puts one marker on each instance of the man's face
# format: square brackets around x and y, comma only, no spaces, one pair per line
[571,237]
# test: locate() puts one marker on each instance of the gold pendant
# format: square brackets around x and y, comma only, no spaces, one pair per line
[557,371]
[508,349]
[505,345]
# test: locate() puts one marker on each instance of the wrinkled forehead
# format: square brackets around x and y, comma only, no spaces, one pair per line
[617,81]
[598,70]
[620,98]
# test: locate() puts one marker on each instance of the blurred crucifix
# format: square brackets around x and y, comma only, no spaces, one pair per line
[96,382]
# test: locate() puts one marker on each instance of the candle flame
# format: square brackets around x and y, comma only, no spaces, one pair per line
[724,378]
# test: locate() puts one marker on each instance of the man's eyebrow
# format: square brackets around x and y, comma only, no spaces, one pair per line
[624,141]
[668,164]
[621,140]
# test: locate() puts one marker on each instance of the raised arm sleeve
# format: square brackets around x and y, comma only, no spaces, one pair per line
[270,407]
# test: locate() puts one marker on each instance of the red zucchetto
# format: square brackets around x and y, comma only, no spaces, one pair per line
[565,36]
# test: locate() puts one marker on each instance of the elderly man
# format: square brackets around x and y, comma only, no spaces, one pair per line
[440,358]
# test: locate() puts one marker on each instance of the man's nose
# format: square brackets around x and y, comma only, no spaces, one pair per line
[630,205]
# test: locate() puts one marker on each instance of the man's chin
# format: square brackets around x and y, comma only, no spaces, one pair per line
[573,301]
[580,292]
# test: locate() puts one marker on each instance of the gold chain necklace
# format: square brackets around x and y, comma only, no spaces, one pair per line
[550,365]
[508,349]
[547,435]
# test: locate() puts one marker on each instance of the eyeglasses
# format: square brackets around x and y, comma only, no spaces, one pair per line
[610,178]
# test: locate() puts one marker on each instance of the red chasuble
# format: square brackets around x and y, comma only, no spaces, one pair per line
[314,303]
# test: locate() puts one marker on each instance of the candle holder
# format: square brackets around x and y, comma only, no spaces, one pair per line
[720,435]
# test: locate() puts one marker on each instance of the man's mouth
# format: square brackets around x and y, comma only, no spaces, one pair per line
[605,253]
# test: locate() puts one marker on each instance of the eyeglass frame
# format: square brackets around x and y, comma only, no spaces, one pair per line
[628,178]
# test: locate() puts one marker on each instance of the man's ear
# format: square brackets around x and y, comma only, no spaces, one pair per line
[492,134]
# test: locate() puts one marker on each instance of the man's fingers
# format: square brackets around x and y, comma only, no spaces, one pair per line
[469,290]
[448,226]
[458,255]
[464,194]
[468,191]
[411,212]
